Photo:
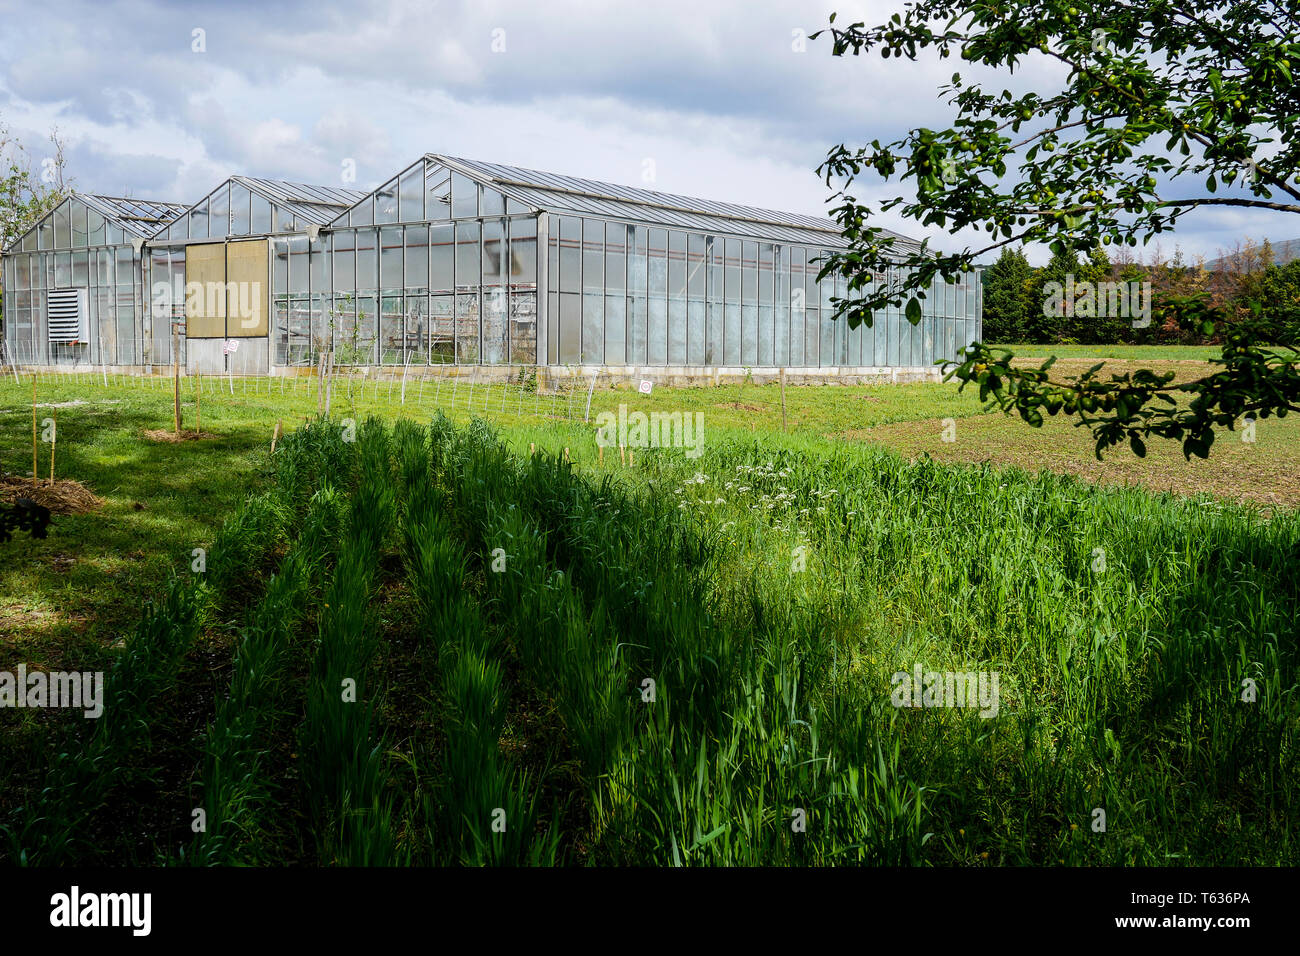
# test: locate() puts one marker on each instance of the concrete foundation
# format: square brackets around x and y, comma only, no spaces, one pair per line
[251,361]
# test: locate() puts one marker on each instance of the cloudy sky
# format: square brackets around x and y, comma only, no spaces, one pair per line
[714,98]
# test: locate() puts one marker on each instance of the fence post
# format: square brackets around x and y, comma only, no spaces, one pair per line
[783,425]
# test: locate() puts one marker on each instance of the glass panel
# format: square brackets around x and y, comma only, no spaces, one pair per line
[386,202]
[284,219]
[390,260]
[437,189]
[299,269]
[464,196]
[749,304]
[279,269]
[570,328]
[390,329]
[62,270]
[240,202]
[320,271]
[367,262]
[416,251]
[45,235]
[366,331]
[491,203]
[412,194]
[259,221]
[199,220]
[94,228]
[570,272]
[714,313]
[77,212]
[81,269]
[219,212]
[523,253]
[615,295]
[442,329]
[363,213]
[468,257]
[593,303]
[61,226]
[781,298]
[342,322]
[113,235]
[467,328]
[657,299]
[442,250]
[676,298]
[766,326]
[29,241]
[345,263]
[495,330]
[732,295]
[523,327]
[637,268]
[812,343]
[469,262]
[415,323]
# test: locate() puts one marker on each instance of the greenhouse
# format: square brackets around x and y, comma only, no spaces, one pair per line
[465,263]
[74,283]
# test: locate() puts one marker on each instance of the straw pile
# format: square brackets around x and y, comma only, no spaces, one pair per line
[64,497]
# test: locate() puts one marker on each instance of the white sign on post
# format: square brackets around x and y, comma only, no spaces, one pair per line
[228,346]
[645,386]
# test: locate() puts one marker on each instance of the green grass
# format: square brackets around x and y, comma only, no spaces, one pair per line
[1128,353]
[770,588]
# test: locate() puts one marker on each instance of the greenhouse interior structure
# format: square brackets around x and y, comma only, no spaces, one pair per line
[455,265]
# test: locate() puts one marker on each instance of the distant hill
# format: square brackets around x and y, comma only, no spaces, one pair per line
[1283,252]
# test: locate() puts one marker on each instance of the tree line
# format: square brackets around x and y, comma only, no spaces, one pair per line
[1097,300]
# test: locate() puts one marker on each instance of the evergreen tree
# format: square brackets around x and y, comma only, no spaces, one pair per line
[1007,300]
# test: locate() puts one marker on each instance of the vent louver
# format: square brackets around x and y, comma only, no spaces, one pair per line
[67,314]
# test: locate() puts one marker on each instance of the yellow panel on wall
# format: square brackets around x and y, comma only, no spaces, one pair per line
[248,288]
[205,291]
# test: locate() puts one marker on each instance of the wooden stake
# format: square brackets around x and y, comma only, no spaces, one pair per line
[532,448]
[622,456]
[566,454]
[783,425]
[54,440]
[176,381]
[275,435]
[631,457]
[600,454]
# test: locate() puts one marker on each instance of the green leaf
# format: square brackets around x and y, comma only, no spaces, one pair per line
[914,310]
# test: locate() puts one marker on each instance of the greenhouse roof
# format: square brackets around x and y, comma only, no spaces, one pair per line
[588,197]
[142,217]
[318,204]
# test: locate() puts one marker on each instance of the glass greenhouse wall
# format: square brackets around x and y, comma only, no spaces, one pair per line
[85,243]
[457,262]
[441,267]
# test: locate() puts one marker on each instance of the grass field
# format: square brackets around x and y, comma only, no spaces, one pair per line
[501,612]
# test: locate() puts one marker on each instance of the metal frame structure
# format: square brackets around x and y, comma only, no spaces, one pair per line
[456,261]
